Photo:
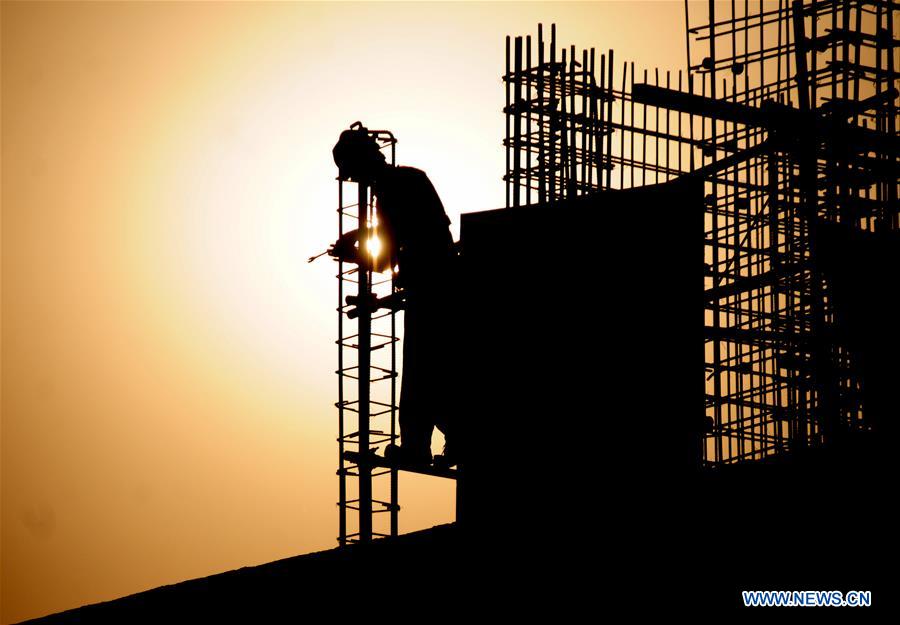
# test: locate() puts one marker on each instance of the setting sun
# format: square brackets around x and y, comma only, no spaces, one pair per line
[374,247]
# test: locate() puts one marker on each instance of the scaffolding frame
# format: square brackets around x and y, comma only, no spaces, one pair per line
[827,67]
[770,386]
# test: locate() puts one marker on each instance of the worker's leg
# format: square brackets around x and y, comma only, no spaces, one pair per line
[438,329]
[416,425]
[429,366]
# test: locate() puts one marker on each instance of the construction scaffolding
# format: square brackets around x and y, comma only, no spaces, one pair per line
[773,387]
[781,132]
[570,132]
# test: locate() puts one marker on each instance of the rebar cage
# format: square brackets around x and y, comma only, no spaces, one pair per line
[367,376]
[769,387]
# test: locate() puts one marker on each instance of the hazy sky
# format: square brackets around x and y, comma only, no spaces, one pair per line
[168,356]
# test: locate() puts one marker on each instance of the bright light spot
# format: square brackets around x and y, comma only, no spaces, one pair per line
[374,247]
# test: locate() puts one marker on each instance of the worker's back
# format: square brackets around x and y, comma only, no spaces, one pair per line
[412,220]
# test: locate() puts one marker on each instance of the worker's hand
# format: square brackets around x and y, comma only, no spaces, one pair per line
[346,248]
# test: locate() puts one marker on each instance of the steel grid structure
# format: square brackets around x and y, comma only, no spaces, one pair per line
[823,74]
[782,134]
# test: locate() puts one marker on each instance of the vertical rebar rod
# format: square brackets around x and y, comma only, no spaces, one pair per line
[680,145]
[631,129]
[573,141]
[395,474]
[587,128]
[608,93]
[656,130]
[807,164]
[553,110]
[762,62]
[643,160]
[364,340]
[668,164]
[563,127]
[509,179]
[622,126]
[717,365]
[891,220]
[541,116]
[598,123]
[527,113]
[342,474]
[517,123]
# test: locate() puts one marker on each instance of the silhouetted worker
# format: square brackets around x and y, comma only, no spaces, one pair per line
[415,237]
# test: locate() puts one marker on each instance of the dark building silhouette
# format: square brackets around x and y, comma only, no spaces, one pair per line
[582,344]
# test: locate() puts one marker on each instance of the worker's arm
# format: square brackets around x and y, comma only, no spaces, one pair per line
[346,249]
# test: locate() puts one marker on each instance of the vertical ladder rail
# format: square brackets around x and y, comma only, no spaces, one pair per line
[342,474]
[364,341]
[394,475]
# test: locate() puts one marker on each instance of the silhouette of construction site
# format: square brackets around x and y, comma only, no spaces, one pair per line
[737,220]
[676,345]
[746,206]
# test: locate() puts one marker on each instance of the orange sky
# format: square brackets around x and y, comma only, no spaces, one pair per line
[167,354]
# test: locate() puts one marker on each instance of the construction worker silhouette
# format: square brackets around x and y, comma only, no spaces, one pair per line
[415,237]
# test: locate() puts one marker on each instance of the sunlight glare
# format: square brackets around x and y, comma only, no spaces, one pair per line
[373,246]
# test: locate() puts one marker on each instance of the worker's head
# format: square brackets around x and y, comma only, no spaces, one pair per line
[357,155]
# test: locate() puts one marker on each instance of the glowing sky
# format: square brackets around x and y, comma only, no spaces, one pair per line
[167,354]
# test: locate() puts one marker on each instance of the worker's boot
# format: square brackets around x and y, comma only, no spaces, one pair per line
[446,459]
[404,454]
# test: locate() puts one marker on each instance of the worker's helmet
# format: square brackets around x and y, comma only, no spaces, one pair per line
[356,154]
